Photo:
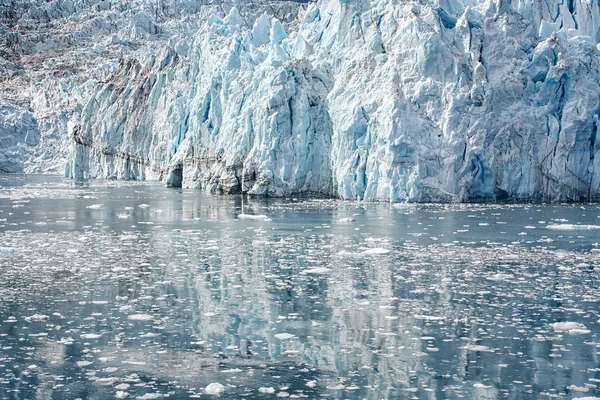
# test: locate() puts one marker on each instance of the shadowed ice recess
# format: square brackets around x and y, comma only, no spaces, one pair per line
[130,290]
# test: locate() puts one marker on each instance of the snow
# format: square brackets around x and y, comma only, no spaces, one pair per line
[377,100]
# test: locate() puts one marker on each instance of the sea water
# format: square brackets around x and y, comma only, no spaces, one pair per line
[132,290]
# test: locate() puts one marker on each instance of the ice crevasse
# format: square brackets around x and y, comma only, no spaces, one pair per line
[376,100]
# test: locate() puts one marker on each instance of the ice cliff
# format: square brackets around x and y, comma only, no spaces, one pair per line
[379,100]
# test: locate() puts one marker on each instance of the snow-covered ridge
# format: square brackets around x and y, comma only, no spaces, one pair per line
[379,100]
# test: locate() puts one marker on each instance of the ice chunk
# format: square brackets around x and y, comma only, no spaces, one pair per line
[90,336]
[573,328]
[317,271]
[150,396]
[375,251]
[37,318]
[476,347]
[140,317]
[284,336]
[82,364]
[429,317]
[572,227]
[215,389]
[254,217]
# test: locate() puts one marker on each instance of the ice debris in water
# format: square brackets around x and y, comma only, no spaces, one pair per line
[150,396]
[254,217]
[477,347]
[317,271]
[140,317]
[573,328]
[375,251]
[90,336]
[37,318]
[572,227]
[195,277]
[215,389]
[284,336]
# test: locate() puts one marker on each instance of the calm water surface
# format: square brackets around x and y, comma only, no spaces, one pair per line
[127,290]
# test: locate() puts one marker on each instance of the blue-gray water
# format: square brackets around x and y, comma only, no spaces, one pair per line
[114,289]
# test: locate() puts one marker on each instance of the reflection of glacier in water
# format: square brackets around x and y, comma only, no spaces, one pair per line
[137,291]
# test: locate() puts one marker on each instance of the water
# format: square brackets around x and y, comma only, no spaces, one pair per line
[128,290]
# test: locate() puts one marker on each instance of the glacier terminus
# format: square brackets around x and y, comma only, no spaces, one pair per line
[375,100]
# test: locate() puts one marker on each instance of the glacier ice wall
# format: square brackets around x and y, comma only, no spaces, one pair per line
[378,100]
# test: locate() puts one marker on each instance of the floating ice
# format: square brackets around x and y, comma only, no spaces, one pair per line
[429,317]
[375,251]
[476,347]
[81,364]
[500,277]
[572,227]
[140,317]
[284,336]
[215,389]
[317,271]
[90,336]
[254,217]
[37,318]
[573,328]
[150,396]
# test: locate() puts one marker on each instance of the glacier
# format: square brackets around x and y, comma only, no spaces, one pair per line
[374,100]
